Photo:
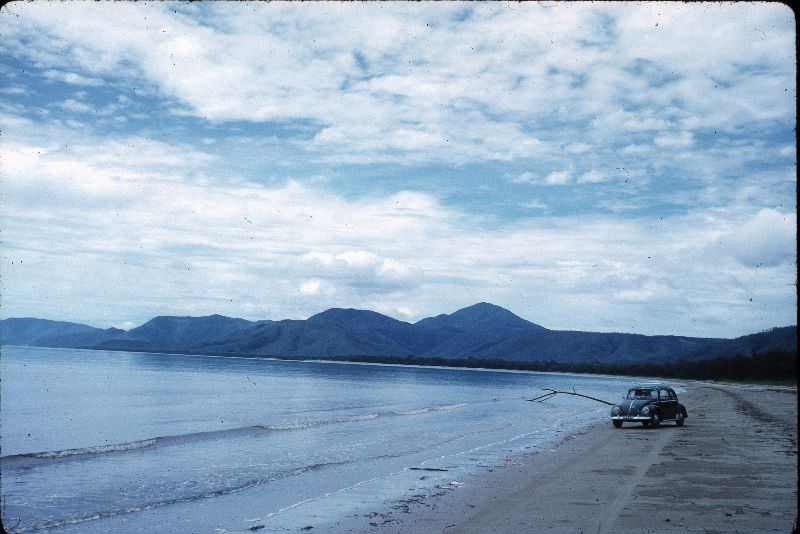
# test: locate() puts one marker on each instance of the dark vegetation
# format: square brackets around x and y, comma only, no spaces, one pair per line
[769,366]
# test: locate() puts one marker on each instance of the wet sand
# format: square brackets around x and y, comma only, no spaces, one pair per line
[731,468]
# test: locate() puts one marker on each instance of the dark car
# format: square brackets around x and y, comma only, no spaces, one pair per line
[649,404]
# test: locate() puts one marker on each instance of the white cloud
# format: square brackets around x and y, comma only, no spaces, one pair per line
[674,140]
[553,178]
[592,176]
[558,177]
[635,149]
[76,106]
[115,170]
[766,239]
[437,90]
[72,78]
[578,148]
[13,90]
[646,292]
[535,204]
[407,312]
[526,177]
[314,288]
[363,270]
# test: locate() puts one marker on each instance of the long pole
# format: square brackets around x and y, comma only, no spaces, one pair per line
[553,392]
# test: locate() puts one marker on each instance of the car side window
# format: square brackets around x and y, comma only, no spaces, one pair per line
[663,394]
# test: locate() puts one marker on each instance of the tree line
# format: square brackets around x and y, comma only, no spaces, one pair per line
[766,366]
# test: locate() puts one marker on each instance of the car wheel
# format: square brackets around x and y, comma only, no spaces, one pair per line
[655,421]
[679,419]
[617,424]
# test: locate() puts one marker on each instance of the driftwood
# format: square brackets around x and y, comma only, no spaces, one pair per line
[552,392]
[426,469]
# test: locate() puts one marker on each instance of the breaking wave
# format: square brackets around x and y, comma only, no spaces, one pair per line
[429,409]
[86,451]
[225,489]
[258,429]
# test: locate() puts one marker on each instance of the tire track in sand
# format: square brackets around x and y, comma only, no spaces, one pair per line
[626,491]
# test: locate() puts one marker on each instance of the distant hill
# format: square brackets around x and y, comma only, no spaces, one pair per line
[482,332]
[176,333]
[335,332]
[85,340]
[42,332]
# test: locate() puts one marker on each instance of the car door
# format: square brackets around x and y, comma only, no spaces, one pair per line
[668,404]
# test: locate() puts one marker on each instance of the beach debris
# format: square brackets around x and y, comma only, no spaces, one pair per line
[309,527]
[427,469]
[256,527]
[552,392]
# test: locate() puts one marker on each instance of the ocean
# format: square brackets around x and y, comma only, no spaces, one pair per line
[95,441]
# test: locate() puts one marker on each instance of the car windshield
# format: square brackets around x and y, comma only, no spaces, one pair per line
[641,393]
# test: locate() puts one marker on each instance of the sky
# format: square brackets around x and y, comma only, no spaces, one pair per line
[624,167]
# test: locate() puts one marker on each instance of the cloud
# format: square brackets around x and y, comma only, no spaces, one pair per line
[553,178]
[647,292]
[314,287]
[766,239]
[526,177]
[103,171]
[407,312]
[71,78]
[674,140]
[558,177]
[13,90]
[578,148]
[562,177]
[145,232]
[592,176]
[439,90]
[76,106]
[789,151]
[535,204]
[363,270]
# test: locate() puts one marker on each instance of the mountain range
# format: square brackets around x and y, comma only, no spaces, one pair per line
[481,331]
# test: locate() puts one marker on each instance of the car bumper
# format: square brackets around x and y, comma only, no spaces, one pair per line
[632,418]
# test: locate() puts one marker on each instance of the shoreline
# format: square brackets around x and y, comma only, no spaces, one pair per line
[504,366]
[731,468]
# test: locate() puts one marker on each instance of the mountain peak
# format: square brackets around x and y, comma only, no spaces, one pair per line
[483,307]
[481,315]
[353,316]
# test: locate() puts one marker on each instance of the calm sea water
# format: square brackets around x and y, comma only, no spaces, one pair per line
[97,441]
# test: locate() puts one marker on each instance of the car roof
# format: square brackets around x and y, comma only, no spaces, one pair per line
[650,385]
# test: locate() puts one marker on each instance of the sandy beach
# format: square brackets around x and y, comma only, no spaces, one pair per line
[731,468]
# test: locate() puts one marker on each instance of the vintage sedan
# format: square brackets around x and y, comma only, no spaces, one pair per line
[649,404]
